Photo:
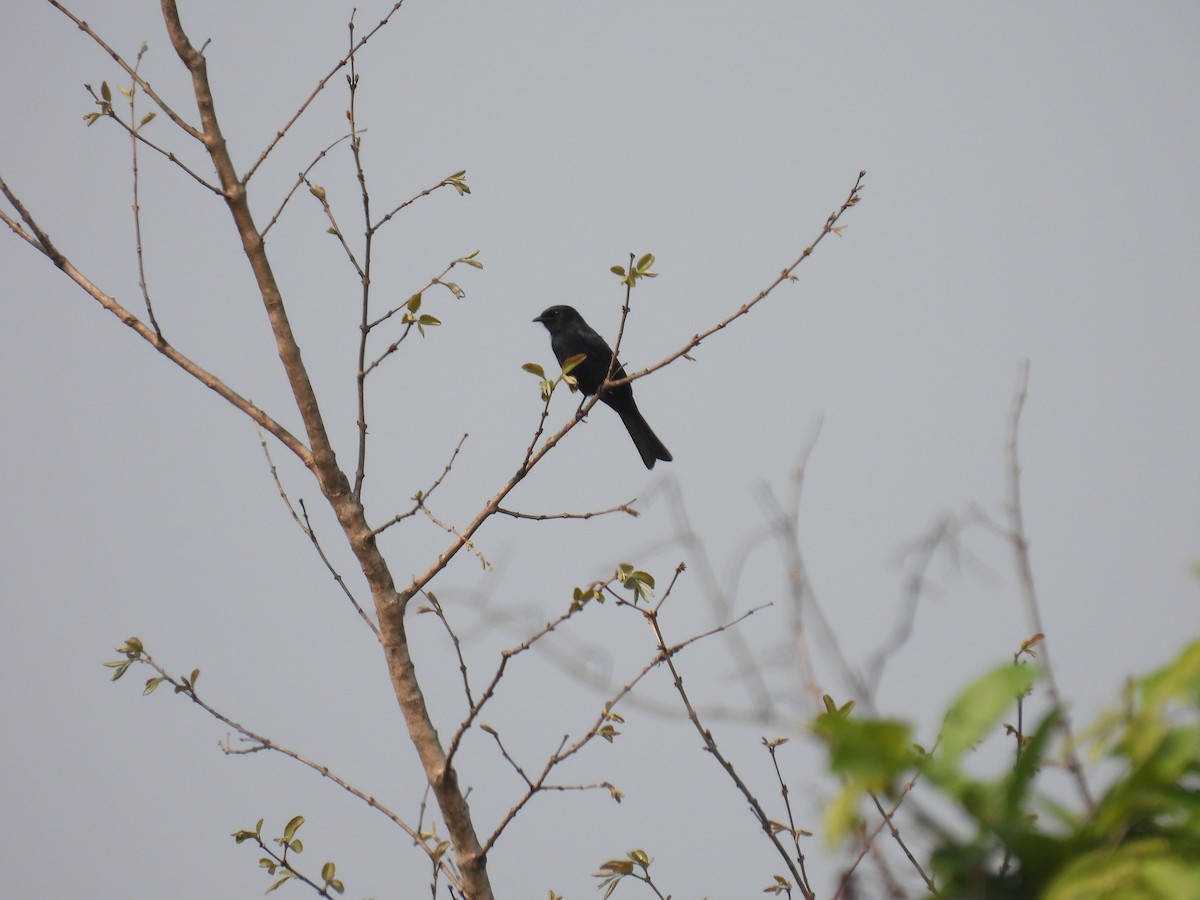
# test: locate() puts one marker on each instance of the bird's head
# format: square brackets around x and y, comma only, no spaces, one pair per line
[557,317]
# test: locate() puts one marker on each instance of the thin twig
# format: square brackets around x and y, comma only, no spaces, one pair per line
[279,135]
[41,241]
[137,79]
[785,793]
[301,178]
[137,209]
[601,727]
[467,542]
[1020,545]
[136,134]
[306,526]
[887,820]
[844,884]
[710,744]
[437,610]
[259,743]
[490,690]
[364,274]
[282,862]
[541,517]
[422,496]
[445,182]
[336,229]
[785,275]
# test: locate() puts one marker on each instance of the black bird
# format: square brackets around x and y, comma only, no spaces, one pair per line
[570,336]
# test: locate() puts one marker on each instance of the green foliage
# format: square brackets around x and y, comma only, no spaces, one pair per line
[132,649]
[581,596]
[277,863]
[639,270]
[547,385]
[641,583]
[423,321]
[612,871]
[470,260]
[608,730]
[1140,840]
[458,182]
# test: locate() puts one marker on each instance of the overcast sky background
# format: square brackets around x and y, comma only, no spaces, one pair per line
[1032,193]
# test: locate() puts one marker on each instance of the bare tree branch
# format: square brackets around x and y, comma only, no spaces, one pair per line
[1020,546]
[83,26]
[341,64]
[40,240]
[626,508]
[831,226]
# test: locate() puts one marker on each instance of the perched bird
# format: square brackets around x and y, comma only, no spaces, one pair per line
[570,336]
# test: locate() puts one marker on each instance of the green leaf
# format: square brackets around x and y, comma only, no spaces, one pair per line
[618,270]
[872,751]
[105,92]
[317,191]
[147,119]
[414,302]
[292,827]
[151,684]
[458,183]
[1148,867]
[429,321]
[470,260]
[979,708]
[572,362]
[455,289]
[534,369]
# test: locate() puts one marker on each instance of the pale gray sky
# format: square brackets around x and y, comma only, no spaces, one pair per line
[1032,193]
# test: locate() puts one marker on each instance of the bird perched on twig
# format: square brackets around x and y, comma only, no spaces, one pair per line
[570,336]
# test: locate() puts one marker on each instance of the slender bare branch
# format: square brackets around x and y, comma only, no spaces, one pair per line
[341,64]
[626,508]
[787,274]
[83,26]
[710,744]
[306,526]
[423,495]
[445,182]
[135,132]
[490,690]
[1020,546]
[336,230]
[134,127]
[39,239]
[258,743]
[436,608]
[301,178]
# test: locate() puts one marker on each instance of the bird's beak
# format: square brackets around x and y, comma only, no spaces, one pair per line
[538,319]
